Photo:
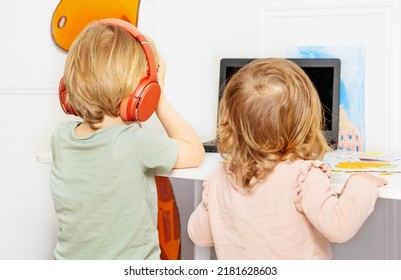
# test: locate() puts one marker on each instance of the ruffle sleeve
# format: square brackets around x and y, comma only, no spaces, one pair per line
[205,194]
[304,170]
[199,230]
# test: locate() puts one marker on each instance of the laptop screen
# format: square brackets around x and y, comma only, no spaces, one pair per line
[323,72]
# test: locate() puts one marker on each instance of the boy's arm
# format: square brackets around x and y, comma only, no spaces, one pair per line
[190,149]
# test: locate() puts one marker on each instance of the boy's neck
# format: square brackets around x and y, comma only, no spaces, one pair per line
[109,121]
[84,129]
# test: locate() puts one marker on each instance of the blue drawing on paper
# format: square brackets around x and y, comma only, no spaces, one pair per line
[352,90]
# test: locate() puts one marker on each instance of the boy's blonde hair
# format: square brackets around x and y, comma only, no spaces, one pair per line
[103,67]
[270,112]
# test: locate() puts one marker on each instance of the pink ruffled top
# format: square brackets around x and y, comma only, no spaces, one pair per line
[293,214]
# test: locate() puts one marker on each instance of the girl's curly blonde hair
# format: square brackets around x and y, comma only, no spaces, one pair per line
[270,112]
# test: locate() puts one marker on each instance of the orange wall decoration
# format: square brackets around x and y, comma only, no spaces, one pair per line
[71,16]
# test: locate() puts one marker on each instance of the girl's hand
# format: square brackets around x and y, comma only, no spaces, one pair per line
[377,181]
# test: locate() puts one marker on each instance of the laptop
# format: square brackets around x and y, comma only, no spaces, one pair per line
[323,72]
[228,67]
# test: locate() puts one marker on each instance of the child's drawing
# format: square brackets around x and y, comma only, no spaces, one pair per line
[352,90]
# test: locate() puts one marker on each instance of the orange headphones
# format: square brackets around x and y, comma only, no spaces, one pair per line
[141,104]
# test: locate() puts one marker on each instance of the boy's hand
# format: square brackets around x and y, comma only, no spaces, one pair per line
[161,68]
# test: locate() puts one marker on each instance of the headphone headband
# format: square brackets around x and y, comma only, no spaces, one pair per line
[152,73]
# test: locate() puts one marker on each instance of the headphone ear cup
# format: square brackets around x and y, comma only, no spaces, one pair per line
[148,102]
[141,104]
[62,95]
[128,108]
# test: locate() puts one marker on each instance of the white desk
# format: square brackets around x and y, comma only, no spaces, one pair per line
[211,162]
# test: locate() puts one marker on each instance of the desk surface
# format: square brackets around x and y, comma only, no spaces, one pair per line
[212,161]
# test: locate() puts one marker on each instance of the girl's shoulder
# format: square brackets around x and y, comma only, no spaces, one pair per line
[291,174]
[303,168]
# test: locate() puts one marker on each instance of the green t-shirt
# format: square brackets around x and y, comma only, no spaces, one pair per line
[104,191]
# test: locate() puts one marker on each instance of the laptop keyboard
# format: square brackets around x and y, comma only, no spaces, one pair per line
[210,146]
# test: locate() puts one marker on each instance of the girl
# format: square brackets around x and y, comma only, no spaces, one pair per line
[272,197]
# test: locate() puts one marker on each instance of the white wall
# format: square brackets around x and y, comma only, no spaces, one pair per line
[192,43]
